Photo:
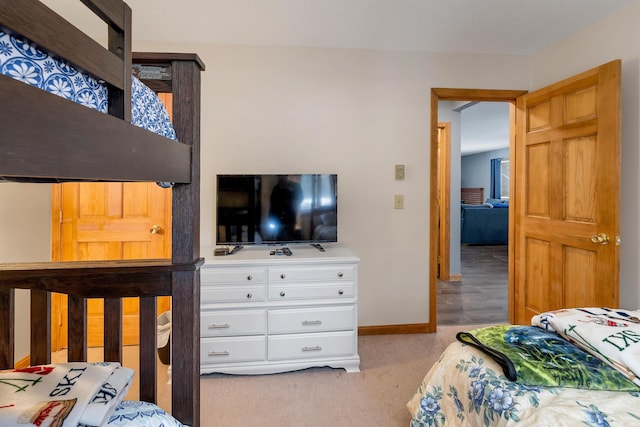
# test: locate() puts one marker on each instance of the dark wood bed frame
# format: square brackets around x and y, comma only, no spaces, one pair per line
[45,138]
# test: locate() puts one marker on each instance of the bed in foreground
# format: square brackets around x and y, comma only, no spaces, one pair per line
[48,139]
[469,387]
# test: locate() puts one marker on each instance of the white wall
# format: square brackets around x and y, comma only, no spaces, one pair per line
[356,113]
[615,37]
[25,236]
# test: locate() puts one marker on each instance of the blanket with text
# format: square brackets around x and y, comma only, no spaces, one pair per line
[62,395]
[612,335]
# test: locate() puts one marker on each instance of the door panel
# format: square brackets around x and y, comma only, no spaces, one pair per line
[111,221]
[568,190]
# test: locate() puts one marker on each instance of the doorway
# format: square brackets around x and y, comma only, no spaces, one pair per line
[569,136]
[474,216]
[437,95]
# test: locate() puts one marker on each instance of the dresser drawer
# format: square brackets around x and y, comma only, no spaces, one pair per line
[321,344]
[321,319]
[232,322]
[237,293]
[312,273]
[227,276]
[300,291]
[232,349]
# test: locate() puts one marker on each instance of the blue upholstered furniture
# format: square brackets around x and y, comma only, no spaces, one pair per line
[486,224]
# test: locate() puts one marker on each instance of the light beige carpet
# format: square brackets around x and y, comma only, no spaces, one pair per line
[391,369]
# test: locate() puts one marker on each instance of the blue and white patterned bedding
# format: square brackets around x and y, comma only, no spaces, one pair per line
[22,60]
[467,388]
[132,413]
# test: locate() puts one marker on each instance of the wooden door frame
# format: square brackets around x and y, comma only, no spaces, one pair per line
[444,201]
[478,95]
[56,255]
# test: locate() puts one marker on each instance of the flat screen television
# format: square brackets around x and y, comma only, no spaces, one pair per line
[276,209]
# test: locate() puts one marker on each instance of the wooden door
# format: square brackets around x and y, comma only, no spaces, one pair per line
[111,221]
[567,209]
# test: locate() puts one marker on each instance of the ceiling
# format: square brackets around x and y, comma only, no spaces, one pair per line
[484,126]
[513,27]
[509,27]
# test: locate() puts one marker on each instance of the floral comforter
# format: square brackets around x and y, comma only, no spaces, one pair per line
[467,388]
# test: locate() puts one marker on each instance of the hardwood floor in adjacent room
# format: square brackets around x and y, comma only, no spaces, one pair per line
[482,296]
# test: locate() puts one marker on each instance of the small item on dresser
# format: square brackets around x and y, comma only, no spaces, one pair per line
[318,246]
[235,249]
[287,251]
[221,251]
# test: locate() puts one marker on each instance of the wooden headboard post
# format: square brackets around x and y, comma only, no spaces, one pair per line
[186,240]
[184,85]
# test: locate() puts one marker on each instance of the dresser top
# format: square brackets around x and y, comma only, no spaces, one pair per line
[270,255]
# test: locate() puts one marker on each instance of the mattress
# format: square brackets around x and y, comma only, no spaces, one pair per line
[23,61]
[468,388]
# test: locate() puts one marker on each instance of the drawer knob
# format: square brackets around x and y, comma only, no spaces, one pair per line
[283,276]
[311,322]
[223,326]
[249,277]
[314,348]
[340,274]
[340,292]
[218,353]
[282,294]
[249,295]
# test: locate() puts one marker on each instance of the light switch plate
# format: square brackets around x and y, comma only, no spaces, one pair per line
[398,201]
[399,172]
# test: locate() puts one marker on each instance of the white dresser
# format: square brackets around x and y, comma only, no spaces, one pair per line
[263,313]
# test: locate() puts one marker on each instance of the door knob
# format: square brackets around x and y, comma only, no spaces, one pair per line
[601,238]
[156,229]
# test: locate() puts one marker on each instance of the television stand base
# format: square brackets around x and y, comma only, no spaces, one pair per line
[318,246]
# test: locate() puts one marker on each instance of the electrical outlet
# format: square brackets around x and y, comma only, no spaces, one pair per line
[399,172]
[398,201]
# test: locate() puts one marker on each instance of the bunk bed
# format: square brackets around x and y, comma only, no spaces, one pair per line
[48,139]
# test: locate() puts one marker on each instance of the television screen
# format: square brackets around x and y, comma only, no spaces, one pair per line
[271,209]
